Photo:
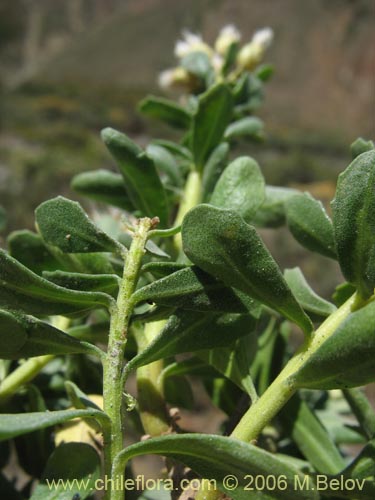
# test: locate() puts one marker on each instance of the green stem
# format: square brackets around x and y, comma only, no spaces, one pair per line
[283,387]
[30,368]
[152,407]
[191,197]
[22,375]
[120,316]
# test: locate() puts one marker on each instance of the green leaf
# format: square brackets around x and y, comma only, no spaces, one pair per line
[210,121]
[16,424]
[360,146]
[176,149]
[214,457]
[248,127]
[222,244]
[311,437]
[106,283]
[234,361]
[193,289]
[309,300]
[167,111]
[165,163]
[64,224]
[363,466]
[25,337]
[188,332]
[342,293]
[29,249]
[76,464]
[213,168]
[240,188]
[272,212]
[22,289]
[346,358]
[142,181]
[162,269]
[104,186]
[354,223]
[310,224]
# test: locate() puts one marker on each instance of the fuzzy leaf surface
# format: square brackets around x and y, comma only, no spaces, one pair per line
[191,332]
[104,186]
[241,188]
[210,121]
[24,337]
[64,224]
[193,289]
[214,457]
[309,300]
[21,289]
[222,244]
[310,225]
[354,222]
[346,358]
[142,181]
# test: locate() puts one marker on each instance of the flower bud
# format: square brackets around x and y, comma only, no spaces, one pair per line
[191,42]
[174,77]
[252,53]
[228,35]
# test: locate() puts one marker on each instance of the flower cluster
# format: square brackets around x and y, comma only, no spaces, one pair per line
[225,60]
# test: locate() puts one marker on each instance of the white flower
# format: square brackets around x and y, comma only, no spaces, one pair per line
[252,53]
[174,77]
[263,37]
[165,79]
[228,35]
[191,42]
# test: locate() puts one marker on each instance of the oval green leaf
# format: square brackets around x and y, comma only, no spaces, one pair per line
[222,244]
[193,289]
[191,332]
[21,289]
[165,110]
[142,181]
[309,300]
[310,225]
[241,188]
[25,337]
[354,222]
[104,186]
[64,224]
[210,121]
[346,358]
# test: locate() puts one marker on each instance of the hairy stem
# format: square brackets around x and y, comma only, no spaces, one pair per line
[282,388]
[113,365]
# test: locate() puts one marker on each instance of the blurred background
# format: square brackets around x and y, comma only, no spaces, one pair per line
[71,67]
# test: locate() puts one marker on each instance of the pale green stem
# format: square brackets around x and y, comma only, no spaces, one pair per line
[191,197]
[152,407]
[28,370]
[113,365]
[283,387]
